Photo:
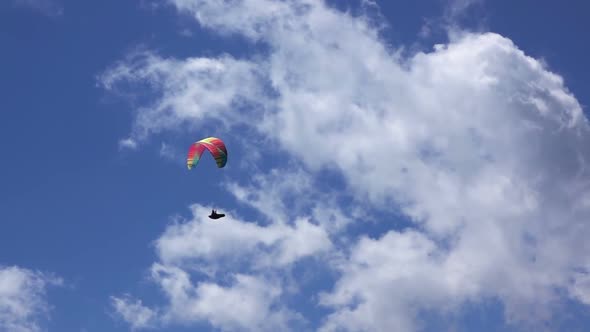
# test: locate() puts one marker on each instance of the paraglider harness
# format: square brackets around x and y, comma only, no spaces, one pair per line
[215,215]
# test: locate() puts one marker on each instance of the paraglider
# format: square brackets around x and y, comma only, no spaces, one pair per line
[217,149]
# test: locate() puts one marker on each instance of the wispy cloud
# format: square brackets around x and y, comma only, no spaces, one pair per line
[134,312]
[453,14]
[456,8]
[210,87]
[476,143]
[52,8]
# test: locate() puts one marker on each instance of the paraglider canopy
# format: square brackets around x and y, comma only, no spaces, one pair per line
[215,146]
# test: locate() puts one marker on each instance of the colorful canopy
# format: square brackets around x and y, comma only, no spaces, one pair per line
[214,145]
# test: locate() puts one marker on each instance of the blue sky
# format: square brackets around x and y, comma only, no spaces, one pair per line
[375,181]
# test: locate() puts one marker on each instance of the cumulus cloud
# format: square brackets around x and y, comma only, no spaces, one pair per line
[249,297]
[478,144]
[259,246]
[248,303]
[406,267]
[23,299]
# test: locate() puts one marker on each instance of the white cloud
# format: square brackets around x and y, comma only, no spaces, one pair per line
[251,300]
[458,7]
[284,194]
[386,281]
[480,145]
[581,287]
[128,143]
[46,7]
[259,246]
[193,90]
[22,299]
[248,303]
[172,153]
[133,312]
[266,192]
